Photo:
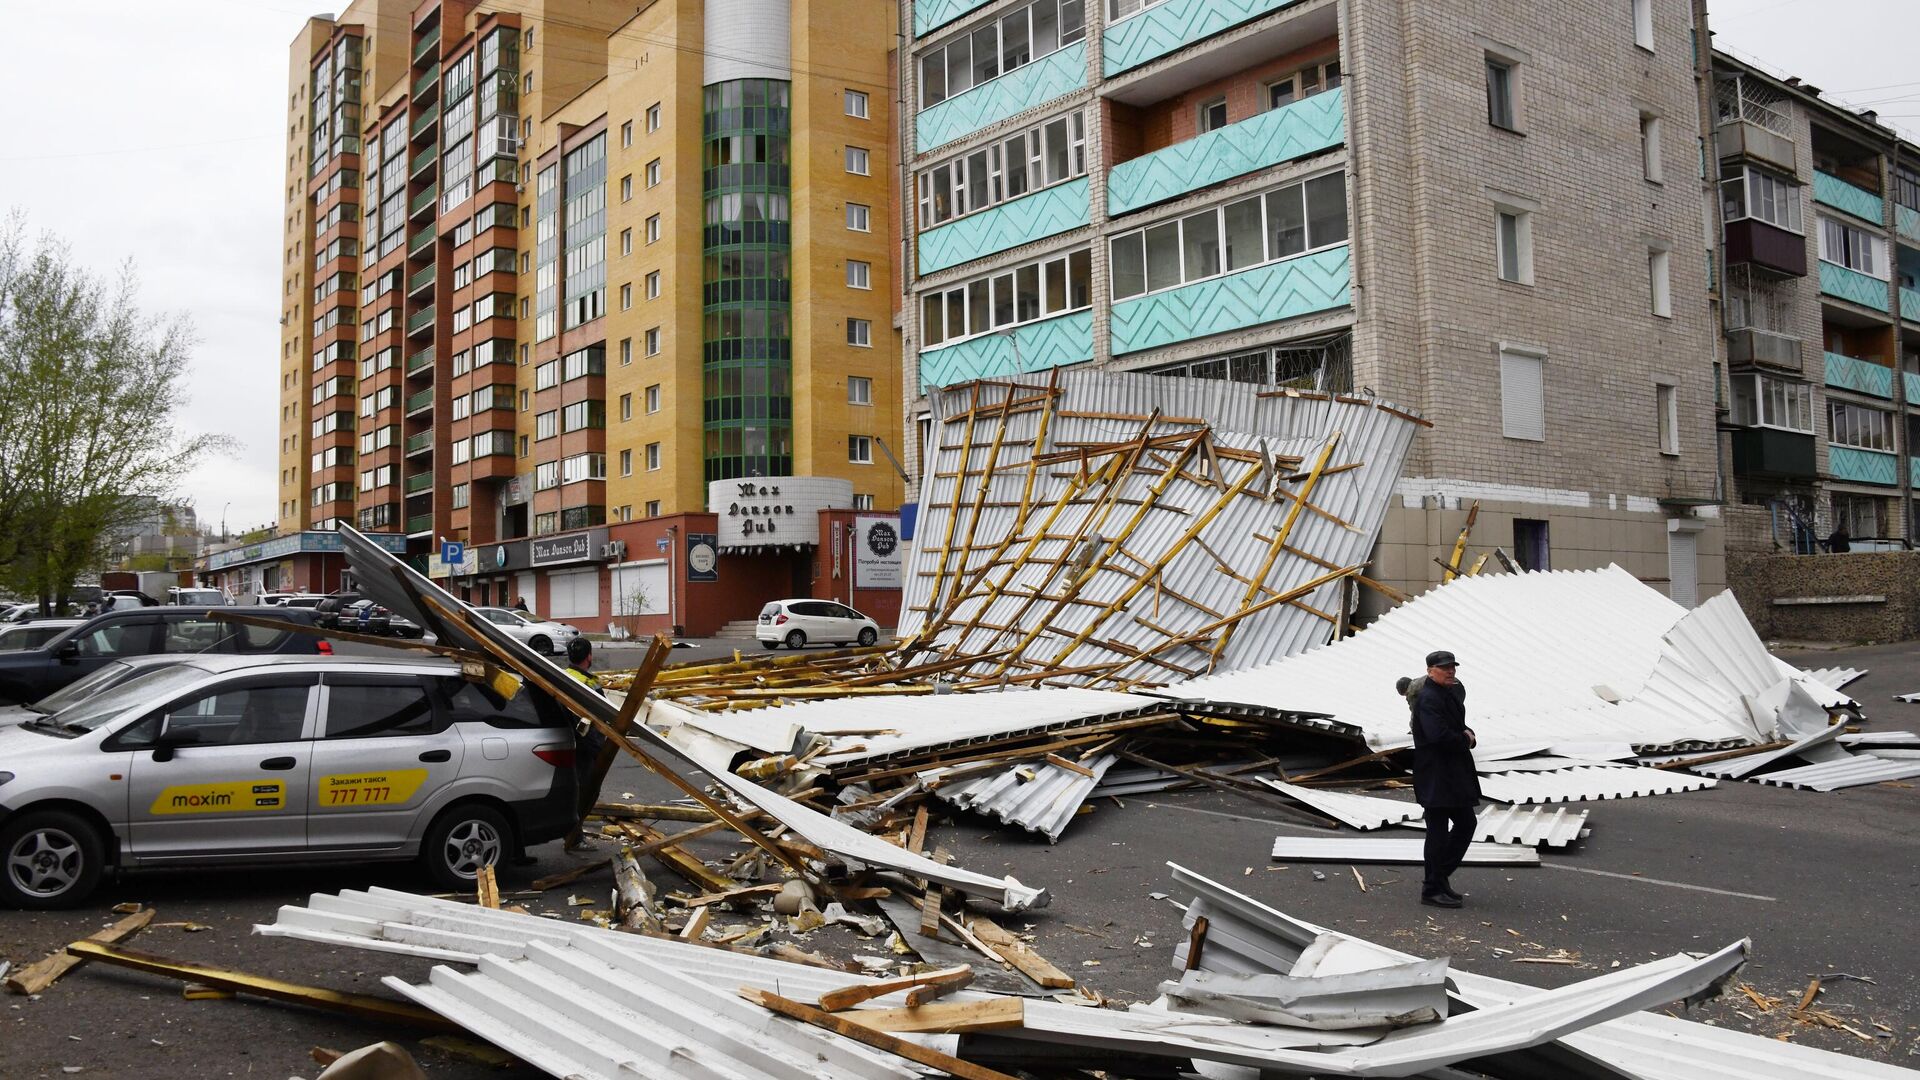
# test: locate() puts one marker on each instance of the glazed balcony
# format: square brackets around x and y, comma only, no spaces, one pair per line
[1294,130]
[1749,240]
[1271,292]
[1054,75]
[1759,451]
[1750,345]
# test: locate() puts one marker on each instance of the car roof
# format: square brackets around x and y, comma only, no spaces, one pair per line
[223,663]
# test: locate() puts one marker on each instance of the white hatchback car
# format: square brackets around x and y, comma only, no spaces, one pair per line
[543,636]
[794,623]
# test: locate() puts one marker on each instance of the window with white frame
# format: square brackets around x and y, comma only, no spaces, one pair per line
[626,296]
[653,117]
[1747,192]
[1658,281]
[653,457]
[1643,24]
[855,102]
[626,351]
[859,217]
[1856,249]
[1503,80]
[1050,152]
[860,449]
[626,463]
[859,390]
[653,229]
[1650,169]
[1764,401]
[626,406]
[999,301]
[1211,115]
[546,475]
[862,502]
[857,161]
[626,188]
[1859,427]
[859,274]
[999,45]
[546,425]
[1513,244]
[1666,406]
[626,133]
[653,285]
[653,508]
[653,398]
[1308,81]
[860,332]
[1523,394]
[653,173]
[583,467]
[653,341]
[1279,224]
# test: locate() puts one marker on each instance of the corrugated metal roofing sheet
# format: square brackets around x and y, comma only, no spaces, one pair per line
[1533,827]
[1358,811]
[1047,803]
[1588,782]
[1371,850]
[1845,773]
[1835,677]
[1818,746]
[1555,657]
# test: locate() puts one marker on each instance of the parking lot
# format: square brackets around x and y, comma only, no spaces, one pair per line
[1821,883]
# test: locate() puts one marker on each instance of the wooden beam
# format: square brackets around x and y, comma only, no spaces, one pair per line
[946,1018]
[729,896]
[1019,953]
[938,983]
[879,1040]
[240,982]
[487,888]
[37,976]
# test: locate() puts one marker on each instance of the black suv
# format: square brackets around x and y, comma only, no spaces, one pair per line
[31,674]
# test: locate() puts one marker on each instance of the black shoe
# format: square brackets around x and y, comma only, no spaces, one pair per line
[1440,899]
[1447,890]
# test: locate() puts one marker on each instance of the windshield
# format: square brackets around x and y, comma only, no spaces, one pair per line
[150,688]
[112,673]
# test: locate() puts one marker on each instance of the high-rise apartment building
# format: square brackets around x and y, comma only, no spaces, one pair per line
[575,265]
[1819,223]
[1492,214]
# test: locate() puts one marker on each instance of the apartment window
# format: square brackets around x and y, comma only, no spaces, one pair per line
[1659,284]
[856,161]
[626,241]
[1050,152]
[546,425]
[859,217]
[1747,192]
[653,117]
[626,296]
[626,188]
[1643,24]
[860,449]
[653,457]
[526,446]
[626,134]
[1513,244]
[582,415]
[1523,401]
[1267,227]
[546,475]
[1855,249]
[528,82]
[529,38]
[653,172]
[1666,405]
[653,229]
[626,463]
[1859,427]
[1530,545]
[859,274]
[1502,75]
[1021,294]
[862,502]
[653,508]
[626,406]
[1212,115]
[1764,401]
[999,45]
[626,351]
[1650,148]
[1303,84]
[653,342]
[653,285]
[860,332]
[856,104]
[859,390]
[653,398]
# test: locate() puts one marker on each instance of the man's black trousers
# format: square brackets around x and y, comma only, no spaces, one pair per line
[1449,830]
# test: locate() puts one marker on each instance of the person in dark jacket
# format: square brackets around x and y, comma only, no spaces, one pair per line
[1444,780]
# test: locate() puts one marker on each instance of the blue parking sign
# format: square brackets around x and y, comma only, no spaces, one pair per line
[453,552]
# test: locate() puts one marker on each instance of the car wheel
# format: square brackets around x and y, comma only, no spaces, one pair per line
[461,841]
[50,859]
[795,639]
[868,635]
[770,644]
[541,644]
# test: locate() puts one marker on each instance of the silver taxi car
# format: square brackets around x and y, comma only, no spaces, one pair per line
[244,760]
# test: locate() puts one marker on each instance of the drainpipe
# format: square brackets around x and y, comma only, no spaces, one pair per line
[1901,440]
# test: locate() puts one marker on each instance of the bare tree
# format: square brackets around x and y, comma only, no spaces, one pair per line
[89,388]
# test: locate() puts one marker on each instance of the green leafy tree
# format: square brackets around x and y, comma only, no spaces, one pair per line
[89,388]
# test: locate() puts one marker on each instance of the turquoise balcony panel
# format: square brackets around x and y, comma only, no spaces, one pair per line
[1171,24]
[1021,221]
[1050,343]
[1913,387]
[1859,376]
[1830,190]
[1913,472]
[1863,466]
[1906,221]
[1910,305]
[1291,131]
[1854,286]
[1060,72]
[931,15]
[1264,294]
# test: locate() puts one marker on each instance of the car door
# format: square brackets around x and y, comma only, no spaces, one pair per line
[196,634]
[384,749]
[240,788]
[91,650]
[515,626]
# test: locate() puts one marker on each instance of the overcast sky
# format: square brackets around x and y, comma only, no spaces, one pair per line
[154,131]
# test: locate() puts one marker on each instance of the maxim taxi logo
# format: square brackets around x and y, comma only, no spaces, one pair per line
[242,797]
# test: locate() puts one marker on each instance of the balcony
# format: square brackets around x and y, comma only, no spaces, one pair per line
[423,160]
[1863,466]
[1906,222]
[419,524]
[1853,287]
[1912,382]
[424,200]
[427,80]
[419,320]
[1018,221]
[419,482]
[420,401]
[427,45]
[1750,345]
[420,361]
[1772,452]
[1754,124]
[1302,285]
[420,240]
[421,278]
[931,15]
[1764,245]
[1859,376]
[425,120]
[1058,73]
[1830,190]
[419,443]
[1265,139]
[1171,25]
[1910,305]
[1913,472]
[1039,346]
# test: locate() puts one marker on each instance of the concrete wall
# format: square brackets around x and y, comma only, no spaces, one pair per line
[1760,581]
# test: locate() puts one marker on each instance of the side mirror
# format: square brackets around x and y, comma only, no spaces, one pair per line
[169,741]
[69,650]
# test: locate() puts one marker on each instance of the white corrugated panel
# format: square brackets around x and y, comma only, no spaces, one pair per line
[1847,772]
[1357,811]
[1835,677]
[1588,782]
[1370,850]
[1045,803]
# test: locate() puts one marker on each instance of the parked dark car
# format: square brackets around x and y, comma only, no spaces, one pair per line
[327,612]
[31,674]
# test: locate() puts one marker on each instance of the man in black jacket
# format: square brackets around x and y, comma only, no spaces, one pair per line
[1444,780]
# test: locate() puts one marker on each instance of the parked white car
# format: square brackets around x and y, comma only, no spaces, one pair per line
[32,635]
[543,636]
[794,623]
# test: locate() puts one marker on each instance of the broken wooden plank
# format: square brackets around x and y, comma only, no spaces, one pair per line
[36,977]
[946,1018]
[879,1040]
[728,896]
[487,888]
[937,983]
[240,982]
[1018,953]
[568,877]
[697,923]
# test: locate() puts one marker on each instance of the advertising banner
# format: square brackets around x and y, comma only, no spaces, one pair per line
[878,555]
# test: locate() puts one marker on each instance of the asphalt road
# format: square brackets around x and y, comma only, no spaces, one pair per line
[1820,883]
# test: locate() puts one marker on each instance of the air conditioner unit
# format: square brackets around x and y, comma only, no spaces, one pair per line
[616,549]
